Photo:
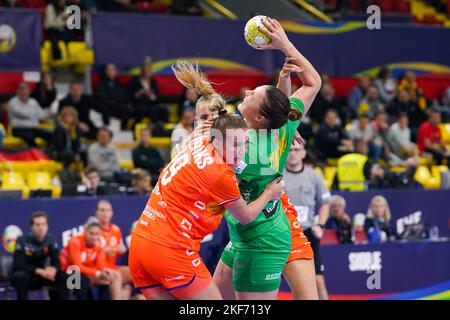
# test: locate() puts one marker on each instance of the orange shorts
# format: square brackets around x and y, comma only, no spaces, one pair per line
[156,268]
[300,247]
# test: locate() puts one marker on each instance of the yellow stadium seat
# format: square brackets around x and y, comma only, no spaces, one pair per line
[423,176]
[169,126]
[160,142]
[42,180]
[79,53]
[14,181]
[445,132]
[39,180]
[127,165]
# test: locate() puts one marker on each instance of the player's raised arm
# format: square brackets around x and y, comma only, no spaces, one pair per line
[284,78]
[310,77]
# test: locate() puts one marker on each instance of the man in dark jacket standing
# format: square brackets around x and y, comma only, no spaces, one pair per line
[36,262]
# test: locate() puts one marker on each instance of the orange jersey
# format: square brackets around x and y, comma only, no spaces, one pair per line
[88,259]
[300,247]
[189,199]
[111,237]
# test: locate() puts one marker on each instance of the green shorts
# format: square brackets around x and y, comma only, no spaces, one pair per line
[254,271]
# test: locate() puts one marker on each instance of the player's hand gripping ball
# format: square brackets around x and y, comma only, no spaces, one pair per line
[253,34]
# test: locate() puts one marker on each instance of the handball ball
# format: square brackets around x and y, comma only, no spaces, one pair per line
[253,35]
[10,236]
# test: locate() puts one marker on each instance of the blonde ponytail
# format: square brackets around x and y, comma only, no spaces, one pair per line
[190,76]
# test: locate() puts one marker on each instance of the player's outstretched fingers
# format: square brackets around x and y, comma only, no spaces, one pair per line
[268,25]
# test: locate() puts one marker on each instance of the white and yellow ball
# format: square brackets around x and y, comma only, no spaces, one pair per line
[10,236]
[253,34]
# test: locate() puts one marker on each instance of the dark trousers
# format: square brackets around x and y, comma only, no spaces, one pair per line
[438,156]
[85,291]
[29,134]
[24,281]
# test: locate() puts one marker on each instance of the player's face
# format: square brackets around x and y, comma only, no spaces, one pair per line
[235,146]
[201,112]
[40,227]
[250,107]
[92,236]
[104,213]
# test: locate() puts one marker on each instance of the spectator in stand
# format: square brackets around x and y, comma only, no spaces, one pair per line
[85,252]
[144,94]
[66,145]
[399,137]
[92,180]
[183,129]
[356,172]
[339,220]
[372,103]
[361,129]
[403,104]
[147,157]
[25,113]
[142,182]
[45,91]
[430,139]
[55,24]
[83,103]
[103,155]
[325,101]
[188,100]
[409,83]
[386,84]
[331,140]
[36,262]
[358,92]
[113,96]
[186,7]
[377,224]
[112,243]
[381,127]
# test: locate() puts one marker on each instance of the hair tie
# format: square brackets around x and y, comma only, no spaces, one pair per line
[222,111]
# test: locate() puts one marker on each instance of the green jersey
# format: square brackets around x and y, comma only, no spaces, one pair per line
[265,159]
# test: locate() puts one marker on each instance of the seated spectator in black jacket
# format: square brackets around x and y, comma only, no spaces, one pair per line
[377,224]
[66,145]
[45,91]
[113,96]
[36,262]
[147,157]
[339,220]
[144,94]
[83,103]
[331,140]
[325,101]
